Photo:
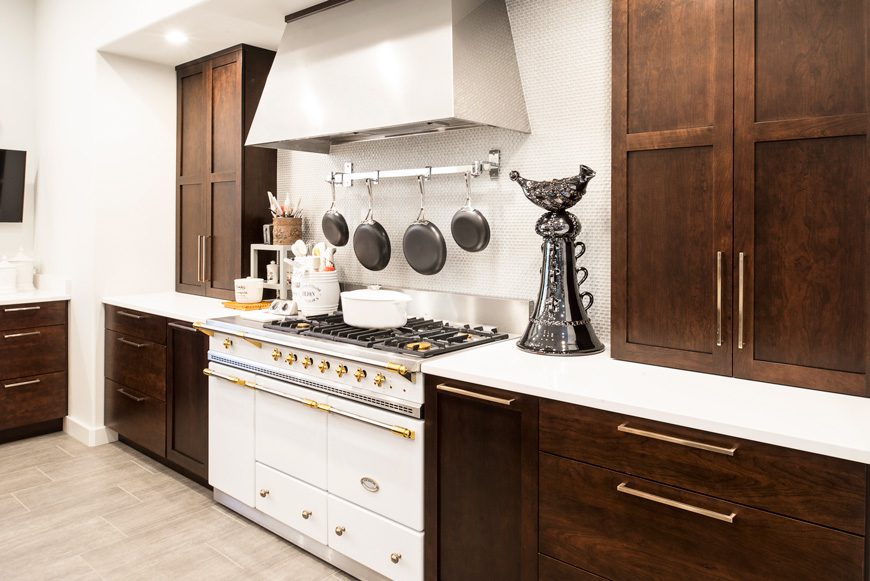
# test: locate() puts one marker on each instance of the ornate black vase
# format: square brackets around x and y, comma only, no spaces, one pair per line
[560,325]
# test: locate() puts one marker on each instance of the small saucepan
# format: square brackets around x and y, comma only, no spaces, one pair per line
[333,223]
[469,227]
[423,244]
[370,241]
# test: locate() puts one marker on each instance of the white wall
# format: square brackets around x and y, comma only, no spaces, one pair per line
[17,108]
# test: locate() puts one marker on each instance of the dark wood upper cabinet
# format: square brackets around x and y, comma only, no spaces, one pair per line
[221,184]
[740,204]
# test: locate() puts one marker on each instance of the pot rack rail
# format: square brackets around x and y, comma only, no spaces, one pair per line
[476,169]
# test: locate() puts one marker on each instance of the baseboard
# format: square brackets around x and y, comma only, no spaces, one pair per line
[88,435]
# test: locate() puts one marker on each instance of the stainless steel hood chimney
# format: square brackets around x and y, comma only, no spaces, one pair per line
[372,69]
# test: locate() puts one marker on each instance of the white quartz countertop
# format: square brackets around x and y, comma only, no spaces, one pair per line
[813,421]
[190,308]
[34,296]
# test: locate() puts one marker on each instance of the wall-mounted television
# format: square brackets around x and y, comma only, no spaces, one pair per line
[12,164]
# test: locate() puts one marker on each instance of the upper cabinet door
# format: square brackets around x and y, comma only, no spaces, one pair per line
[672,183]
[801,203]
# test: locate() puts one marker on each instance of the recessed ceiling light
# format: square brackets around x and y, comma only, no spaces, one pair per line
[175,37]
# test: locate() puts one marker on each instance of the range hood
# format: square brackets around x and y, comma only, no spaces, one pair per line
[373,69]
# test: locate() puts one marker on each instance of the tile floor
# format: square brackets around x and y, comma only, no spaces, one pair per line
[72,512]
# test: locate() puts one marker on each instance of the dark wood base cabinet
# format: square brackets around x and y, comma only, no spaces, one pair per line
[608,496]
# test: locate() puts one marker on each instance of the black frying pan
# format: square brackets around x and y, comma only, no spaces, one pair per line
[469,227]
[370,241]
[424,246]
[333,224]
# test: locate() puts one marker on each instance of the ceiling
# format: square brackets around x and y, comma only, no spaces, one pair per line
[210,25]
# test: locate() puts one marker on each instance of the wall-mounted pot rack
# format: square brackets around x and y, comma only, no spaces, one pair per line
[476,169]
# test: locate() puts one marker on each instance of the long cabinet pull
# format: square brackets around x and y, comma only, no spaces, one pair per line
[473,394]
[131,315]
[131,343]
[740,269]
[21,383]
[624,488]
[28,334]
[719,299]
[624,427]
[19,309]
[181,327]
[131,396]
[199,258]
[206,274]
[398,430]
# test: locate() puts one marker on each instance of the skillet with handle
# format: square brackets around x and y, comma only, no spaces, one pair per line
[423,244]
[469,227]
[370,241]
[333,223]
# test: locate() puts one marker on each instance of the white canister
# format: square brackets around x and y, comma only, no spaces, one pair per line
[316,293]
[8,274]
[249,290]
[24,271]
[273,273]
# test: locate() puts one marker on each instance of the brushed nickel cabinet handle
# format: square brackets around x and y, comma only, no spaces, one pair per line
[21,383]
[19,309]
[181,327]
[131,396]
[740,269]
[623,488]
[206,270]
[719,299]
[199,258]
[475,395]
[131,343]
[28,334]
[131,315]
[624,427]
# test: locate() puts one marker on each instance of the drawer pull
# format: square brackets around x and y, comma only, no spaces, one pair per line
[395,557]
[131,343]
[472,394]
[181,327]
[340,530]
[16,335]
[21,383]
[131,396]
[264,493]
[306,514]
[20,309]
[131,315]
[623,487]
[680,441]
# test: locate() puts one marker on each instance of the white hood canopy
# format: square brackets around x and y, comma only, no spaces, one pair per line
[374,69]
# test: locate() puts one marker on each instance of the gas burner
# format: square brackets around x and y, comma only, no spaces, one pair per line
[418,337]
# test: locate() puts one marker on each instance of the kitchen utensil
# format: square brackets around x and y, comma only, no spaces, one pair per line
[274,206]
[370,241]
[315,293]
[249,290]
[374,308]
[560,324]
[423,244]
[469,227]
[333,223]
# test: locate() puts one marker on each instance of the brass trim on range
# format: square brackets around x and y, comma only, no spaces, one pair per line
[623,488]
[624,427]
[210,331]
[475,395]
[402,370]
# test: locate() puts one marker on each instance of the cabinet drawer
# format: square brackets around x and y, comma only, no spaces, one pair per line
[136,324]
[136,363]
[32,315]
[29,400]
[28,352]
[550,569]
[292,502]
[810,487]
[378,543]
[596,519]
[137,416]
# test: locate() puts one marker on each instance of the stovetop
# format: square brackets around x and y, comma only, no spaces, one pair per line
[419,337]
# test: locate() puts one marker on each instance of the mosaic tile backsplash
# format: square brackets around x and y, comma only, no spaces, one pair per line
[563,50]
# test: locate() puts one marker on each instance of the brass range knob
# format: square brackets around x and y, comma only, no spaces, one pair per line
[228,343]
[264,493]
[380,379]
[340,530]
[290,359]
[340,370]
[276,354]
[395,557]
[306,362]
[306,514]
[360,374]
[323,365]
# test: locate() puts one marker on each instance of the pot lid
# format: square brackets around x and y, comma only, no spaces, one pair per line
[374,293]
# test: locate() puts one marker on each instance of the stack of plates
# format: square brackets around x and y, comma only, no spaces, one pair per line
[316,293]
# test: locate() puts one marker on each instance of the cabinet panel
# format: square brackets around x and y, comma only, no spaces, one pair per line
[187,399]
[136,324]
[797,41]
[28,316]
[226,115]
[292,502]
[136,416]
[225,243]
[29,400]
[28,352]
[136,363]
[554,570]
[192,122]
[192,226]
[231,436]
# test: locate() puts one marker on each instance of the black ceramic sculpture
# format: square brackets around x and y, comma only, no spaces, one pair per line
[560,324]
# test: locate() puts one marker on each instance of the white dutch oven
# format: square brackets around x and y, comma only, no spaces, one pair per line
[373,308]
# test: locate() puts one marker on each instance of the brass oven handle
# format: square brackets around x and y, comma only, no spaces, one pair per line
[19,309]
[729,518]
[624,427]
[740,302]
[131,396]
[28,334]
[719,299]
[131,343]
[131,315]
[21,383]
[472,394]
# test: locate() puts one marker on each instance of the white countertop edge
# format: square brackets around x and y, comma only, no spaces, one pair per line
[37,296]
[173,305]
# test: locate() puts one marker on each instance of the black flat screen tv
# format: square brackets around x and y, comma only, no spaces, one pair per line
[12,164]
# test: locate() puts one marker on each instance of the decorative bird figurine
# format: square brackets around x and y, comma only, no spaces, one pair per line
[556,195]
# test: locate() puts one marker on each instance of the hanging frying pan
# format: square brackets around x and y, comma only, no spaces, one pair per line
[333,223]
[370,241]
[424,246]
[469,227]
